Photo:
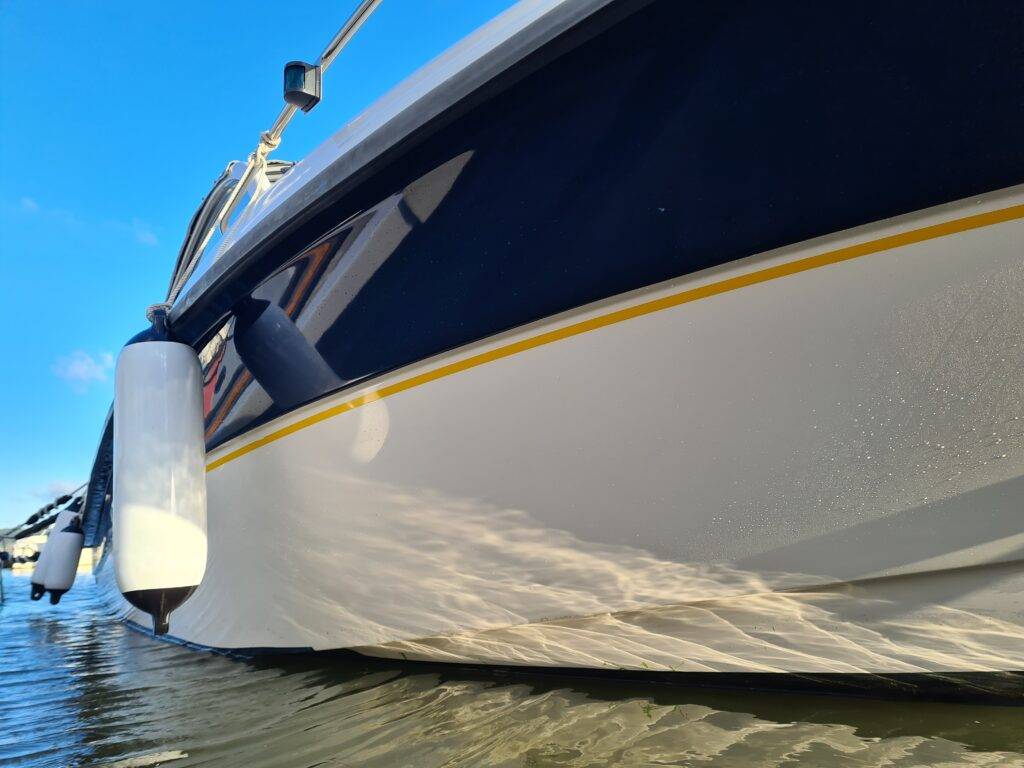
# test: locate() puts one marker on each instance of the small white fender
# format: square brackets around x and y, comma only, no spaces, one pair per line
[64,549]
[39,572]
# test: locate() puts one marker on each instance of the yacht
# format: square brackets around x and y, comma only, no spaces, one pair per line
[632,337]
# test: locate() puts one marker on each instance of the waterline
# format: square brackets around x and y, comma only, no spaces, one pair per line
[81,689]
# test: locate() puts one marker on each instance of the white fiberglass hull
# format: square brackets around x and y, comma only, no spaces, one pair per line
[810,461]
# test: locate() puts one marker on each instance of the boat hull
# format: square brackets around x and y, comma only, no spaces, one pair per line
[806,462]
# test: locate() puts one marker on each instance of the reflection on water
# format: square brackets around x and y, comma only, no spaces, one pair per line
[78,688]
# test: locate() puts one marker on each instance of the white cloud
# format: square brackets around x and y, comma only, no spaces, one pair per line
[30,207]
[55,489]
[80,369]
[137,229]
[143,234]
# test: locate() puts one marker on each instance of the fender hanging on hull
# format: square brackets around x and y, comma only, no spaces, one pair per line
[43,572]
[65,550]
[159,499]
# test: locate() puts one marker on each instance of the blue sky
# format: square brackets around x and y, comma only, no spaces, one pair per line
[115,118]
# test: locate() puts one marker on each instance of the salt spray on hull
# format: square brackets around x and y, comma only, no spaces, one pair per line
[159,499]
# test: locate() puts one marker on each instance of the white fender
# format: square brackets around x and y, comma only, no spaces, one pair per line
[39,572]
[64,549]
[159,499]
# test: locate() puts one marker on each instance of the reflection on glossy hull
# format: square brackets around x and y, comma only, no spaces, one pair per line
[814,474]
[900,626]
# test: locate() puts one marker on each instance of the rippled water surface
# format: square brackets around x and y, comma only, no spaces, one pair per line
[79,688]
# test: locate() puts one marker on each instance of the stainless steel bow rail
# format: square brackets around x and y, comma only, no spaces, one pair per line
[302,91]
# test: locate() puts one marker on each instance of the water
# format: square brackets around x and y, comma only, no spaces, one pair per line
[77,688]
